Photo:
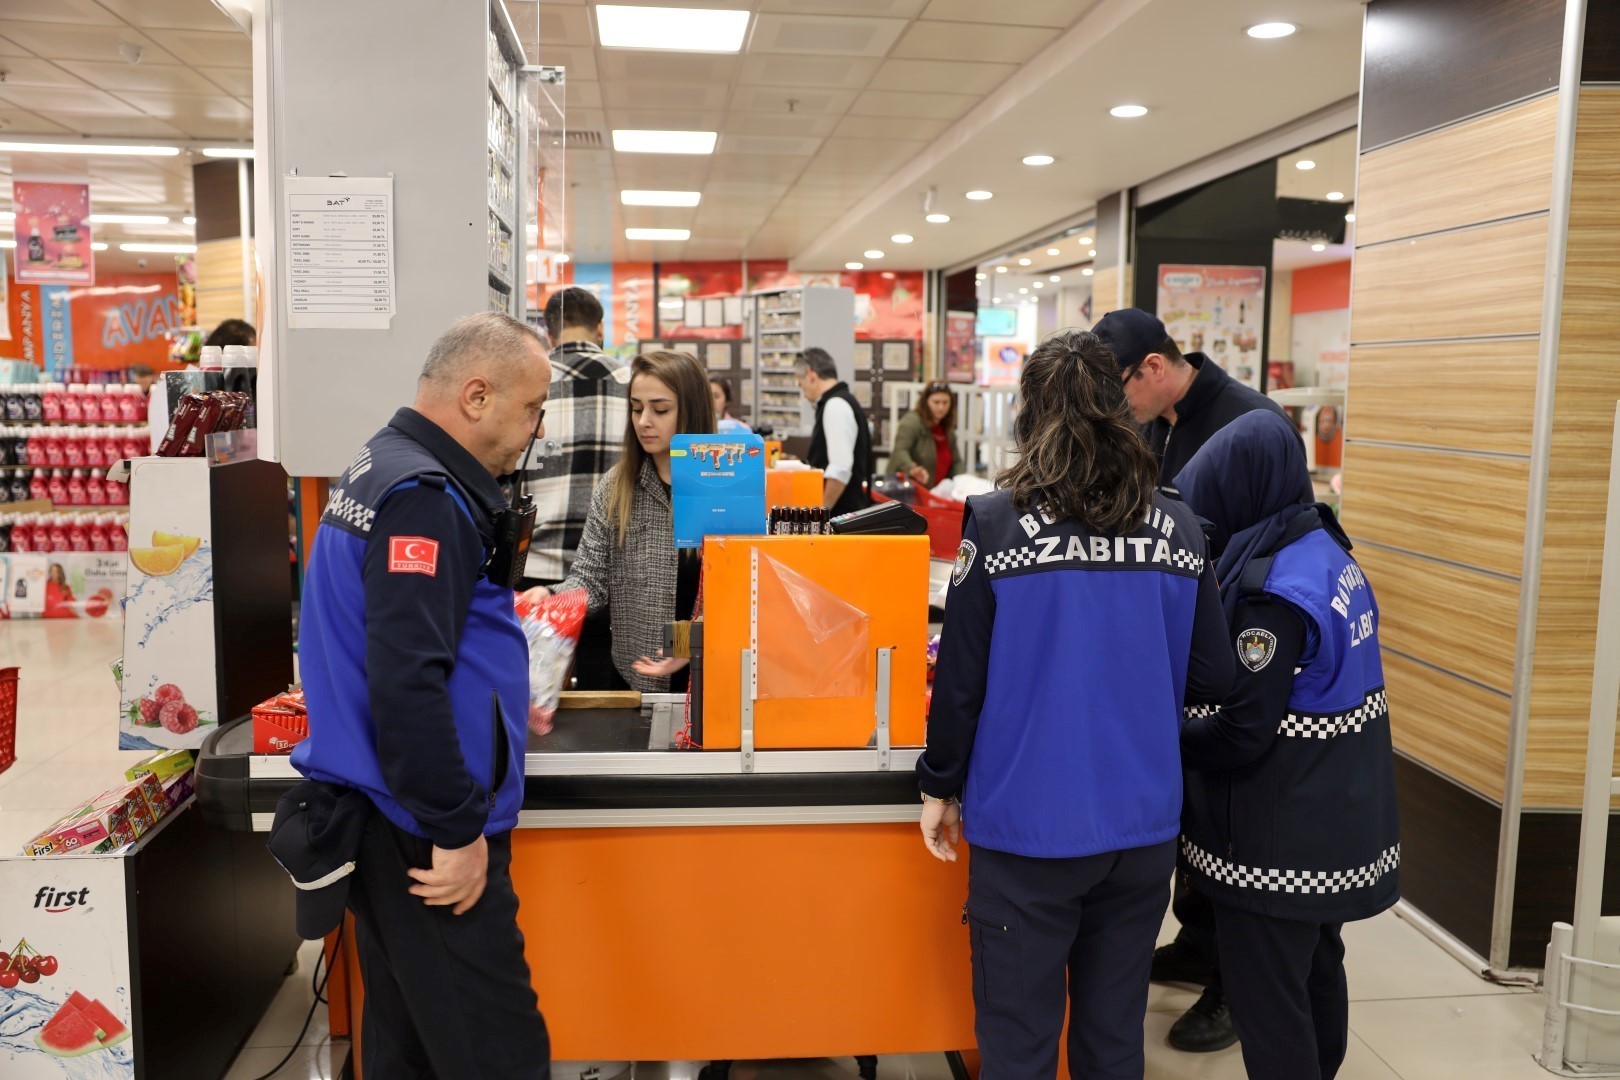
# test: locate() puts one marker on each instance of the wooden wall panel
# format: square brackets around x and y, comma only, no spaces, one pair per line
[1587,388]
[1453,726]
[1488,403]
[1104,289]
[1431,502]
[1481,614]
[1472,283]
[219,283]
[1430,62]
[1495,166]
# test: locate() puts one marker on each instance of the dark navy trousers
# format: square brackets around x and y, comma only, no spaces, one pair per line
[1050,932]
[1286,986]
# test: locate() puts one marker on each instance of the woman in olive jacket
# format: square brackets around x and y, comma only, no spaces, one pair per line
[925,450]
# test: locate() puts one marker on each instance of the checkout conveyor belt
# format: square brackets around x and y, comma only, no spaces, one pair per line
[595,768]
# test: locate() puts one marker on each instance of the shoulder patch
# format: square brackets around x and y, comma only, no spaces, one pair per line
[1256,648]
[964,561]
[413,555]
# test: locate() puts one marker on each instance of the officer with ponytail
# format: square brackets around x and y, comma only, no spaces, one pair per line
[1084,616]
[1290,825]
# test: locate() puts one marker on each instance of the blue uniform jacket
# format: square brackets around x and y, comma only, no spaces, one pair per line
[1064,664]
[1291,807]
[414,667]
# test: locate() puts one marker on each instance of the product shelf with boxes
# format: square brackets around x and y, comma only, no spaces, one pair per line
[504,58]
[786,322]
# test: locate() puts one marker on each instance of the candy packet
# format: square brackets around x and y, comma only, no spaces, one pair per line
[552,625]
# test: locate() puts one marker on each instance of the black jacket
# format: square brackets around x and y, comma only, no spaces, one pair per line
[855,496]
[1213,400]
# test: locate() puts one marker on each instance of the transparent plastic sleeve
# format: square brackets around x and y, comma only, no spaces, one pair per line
[812,643]
[552,625]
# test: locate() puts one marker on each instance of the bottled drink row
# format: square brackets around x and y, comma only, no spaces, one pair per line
[72,403]
[61,447]
[799,521]
[64,487]
[47,533]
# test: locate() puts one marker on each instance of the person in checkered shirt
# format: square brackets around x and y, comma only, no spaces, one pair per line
[585,422]
[1290,824]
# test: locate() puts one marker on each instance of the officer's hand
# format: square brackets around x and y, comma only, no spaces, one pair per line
[457,877]
[941,828]
[536,594]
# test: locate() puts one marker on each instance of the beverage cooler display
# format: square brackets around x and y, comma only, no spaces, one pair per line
[786,322]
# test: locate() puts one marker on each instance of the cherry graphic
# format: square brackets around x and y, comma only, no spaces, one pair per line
[29,975]
[45,965]
[8,979]
[5,958]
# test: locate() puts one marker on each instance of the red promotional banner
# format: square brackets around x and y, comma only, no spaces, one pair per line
[960,328]
[53,233]
[111,326]
[632,303]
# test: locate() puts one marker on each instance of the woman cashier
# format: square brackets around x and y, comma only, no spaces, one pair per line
[1290,822]
[1083,616]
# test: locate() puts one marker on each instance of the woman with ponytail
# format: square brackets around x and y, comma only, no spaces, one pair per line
[1083,617]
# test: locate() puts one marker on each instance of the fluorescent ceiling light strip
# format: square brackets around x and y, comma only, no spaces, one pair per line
[621,26]
[632,141]
[660,198]
[128,219]
[658,234]
[160,249]
[14,147]
[228,151]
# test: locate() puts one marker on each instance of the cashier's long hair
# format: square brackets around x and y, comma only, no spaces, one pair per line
[1080,454]
[694,415]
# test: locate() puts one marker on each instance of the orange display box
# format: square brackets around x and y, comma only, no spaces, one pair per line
[794,487]
[886,577]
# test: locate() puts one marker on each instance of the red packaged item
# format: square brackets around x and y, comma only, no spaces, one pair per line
[552,625]
[280,723]
[208,421]
[185,416]
[236,406]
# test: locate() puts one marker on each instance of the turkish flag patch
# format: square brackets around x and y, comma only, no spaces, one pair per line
[413,555]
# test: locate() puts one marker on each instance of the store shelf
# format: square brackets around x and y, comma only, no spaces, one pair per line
[500,280]
[1306,396]
[500,95]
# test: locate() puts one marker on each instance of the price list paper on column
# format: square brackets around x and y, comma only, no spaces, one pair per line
[340,252]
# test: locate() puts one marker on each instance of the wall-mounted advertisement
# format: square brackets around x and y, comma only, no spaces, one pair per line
[959,340]
[53,233]
[1218,311]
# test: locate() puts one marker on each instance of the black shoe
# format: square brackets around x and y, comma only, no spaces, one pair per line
[1206,1027]
[1176,963]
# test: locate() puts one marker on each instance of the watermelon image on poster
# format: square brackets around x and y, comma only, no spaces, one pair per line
[81,1026]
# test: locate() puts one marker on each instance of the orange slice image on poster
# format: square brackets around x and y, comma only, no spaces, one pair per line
[190,543]
[158,561]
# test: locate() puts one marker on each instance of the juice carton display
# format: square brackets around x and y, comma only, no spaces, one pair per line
[163,765]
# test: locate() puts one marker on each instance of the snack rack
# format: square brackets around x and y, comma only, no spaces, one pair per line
[787,321]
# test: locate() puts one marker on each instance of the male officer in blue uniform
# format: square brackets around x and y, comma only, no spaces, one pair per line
[1291,821]
[416,673]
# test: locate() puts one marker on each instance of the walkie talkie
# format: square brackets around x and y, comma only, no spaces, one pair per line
[514,526]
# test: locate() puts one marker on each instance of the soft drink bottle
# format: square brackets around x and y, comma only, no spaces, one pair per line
[59,533]
[73,447]
[79,533]
[95,447]
[73,405]
[117,495]
[118,533]
[51,406]
[55,451]
[76,493]
[131,405]
[98,533]
[95,488]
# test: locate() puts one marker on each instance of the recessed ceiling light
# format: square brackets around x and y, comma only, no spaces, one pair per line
[660,198]
[1335,196]
[8,243]
[188,220]
[228,151]
[887,275]
[1318,247]
[873,254]
[1023,262]
[1092,253]
[937,219]
[1053,251]
[1001,269]
[1305,164]
[1085,241]
[1040,284]
[993,299]
[1350,217]
[1267,30]
[1039,159]
[1127,112]
[901,238]
[1087,272]
[620,26]
[98,246]
[658,234]
[128,219]
[978,277]
[88,148]
[160,249]
[1023,290]
[854,266]
[980,196]
[663,142]
[1055,278]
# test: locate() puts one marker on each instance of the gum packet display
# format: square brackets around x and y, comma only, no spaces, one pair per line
[552,626]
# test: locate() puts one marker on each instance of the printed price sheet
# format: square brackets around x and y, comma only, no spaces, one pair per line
[340,252]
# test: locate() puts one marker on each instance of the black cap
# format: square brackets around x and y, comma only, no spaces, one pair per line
[1131,334]
[316,839]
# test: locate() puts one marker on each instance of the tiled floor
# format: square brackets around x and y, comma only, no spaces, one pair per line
[1416,1014]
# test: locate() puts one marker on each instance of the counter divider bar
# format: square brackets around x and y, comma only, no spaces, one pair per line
[699,817]
[667,763]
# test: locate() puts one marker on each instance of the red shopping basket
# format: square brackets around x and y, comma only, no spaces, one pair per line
[8,718]
[944,517]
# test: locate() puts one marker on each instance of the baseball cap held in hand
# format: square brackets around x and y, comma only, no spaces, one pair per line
[316,839]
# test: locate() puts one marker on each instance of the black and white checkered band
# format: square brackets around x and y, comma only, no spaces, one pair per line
[1186,560]
[1015,559]
[1307,726]
[1020,557]
[341,509]
[1307,882]
[1201,712]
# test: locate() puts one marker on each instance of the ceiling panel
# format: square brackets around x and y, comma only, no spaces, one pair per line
[824,35]
[759,166]
[690,95]
[132,125]
[835,72]
[645,66]
[972,42]
[85,12]
[580,62]
[889,127]
[56,41]
[941,76]
[1056,13]
[778,123]
[565,25]
[30,71]
[23,122]
[164,78]
[868,151]
[582,93]
[171,15]
[900,9]
[201,47]
[80,99]
[798,99]
[769,144]
[922,106]
[665,120]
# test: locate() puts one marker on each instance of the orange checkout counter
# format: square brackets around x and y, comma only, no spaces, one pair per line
[765,896]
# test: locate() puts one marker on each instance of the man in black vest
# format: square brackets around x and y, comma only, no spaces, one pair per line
[841,445]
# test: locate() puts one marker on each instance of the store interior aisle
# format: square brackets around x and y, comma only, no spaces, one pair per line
[1416,1014]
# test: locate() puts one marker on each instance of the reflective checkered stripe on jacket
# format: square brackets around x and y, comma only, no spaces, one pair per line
[1307,882]
[1322,726]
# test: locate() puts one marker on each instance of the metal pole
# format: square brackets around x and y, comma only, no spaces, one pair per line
[1535,523]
